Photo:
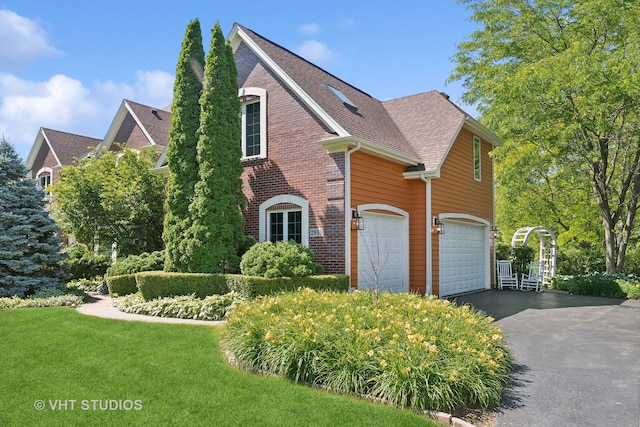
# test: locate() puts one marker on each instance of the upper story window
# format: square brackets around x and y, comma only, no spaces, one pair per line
[254,122]
[477,158]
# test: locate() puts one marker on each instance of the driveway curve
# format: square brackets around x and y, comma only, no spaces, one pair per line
[576,358]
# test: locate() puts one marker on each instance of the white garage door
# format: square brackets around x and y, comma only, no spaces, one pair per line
[383,252]
[464,258]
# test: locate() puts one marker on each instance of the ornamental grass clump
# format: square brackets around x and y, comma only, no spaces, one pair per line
[402,350]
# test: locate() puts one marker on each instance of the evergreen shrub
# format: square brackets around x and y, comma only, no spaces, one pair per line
[279,259]
[121,285]
[600,285]
[82,263]
[137,263]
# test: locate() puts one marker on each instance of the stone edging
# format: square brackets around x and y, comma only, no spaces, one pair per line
[448,419]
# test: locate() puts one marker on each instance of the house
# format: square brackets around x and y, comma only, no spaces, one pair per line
[53,149]
[134,126]
[137,126]
[321,156]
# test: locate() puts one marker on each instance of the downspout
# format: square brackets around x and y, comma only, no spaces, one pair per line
[429,260]
[347,206]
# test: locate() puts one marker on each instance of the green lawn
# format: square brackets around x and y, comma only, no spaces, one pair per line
[170,375]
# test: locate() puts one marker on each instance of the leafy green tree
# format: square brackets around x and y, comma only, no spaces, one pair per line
[559,80]
[30,253]
[112,198]
[217,229]
[182,148]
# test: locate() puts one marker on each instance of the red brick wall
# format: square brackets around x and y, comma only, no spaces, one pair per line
[296,164]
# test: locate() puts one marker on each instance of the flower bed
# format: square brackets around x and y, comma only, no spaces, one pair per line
[183,307]
[400,349]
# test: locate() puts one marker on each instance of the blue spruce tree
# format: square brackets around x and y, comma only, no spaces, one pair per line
[29,244]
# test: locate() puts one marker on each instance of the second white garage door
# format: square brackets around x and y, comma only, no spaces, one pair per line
[464,258]
[383,246]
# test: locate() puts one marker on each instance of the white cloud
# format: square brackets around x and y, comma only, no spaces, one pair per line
[310,28]
[347,23]
[59,103]
[65,104]
[154,88]
[317,52]
[23,40]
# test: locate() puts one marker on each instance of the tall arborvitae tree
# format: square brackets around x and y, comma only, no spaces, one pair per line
[29,242]
[217,229]
[182,148]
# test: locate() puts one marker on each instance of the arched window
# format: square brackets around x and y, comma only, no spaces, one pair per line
[284,217]
[43,177]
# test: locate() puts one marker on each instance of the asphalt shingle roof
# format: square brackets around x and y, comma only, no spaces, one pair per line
[68,146]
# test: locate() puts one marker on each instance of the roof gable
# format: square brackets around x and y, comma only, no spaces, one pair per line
[429,122]
[152,122]
[64,146]
[370,122]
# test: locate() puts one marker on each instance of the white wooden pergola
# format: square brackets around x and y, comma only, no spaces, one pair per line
[548,247]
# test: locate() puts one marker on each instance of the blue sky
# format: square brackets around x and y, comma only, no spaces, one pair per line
[68,64]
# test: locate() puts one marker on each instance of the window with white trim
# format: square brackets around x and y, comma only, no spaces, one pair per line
[44,181]
[285,225]
[477,158]
[254,122]
[284,217]
[43,177]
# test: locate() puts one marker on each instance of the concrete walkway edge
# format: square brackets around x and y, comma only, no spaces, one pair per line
[102,306]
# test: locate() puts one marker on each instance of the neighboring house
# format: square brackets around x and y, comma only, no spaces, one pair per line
[137,126]
[53,149]
[319,152]
[134,126]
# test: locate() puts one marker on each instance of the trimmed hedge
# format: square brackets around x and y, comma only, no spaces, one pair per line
[253,286]
[156,284]
[121,285]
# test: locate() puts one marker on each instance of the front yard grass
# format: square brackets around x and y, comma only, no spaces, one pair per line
[175,375]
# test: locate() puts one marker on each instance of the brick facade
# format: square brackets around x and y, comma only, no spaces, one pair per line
[295,165]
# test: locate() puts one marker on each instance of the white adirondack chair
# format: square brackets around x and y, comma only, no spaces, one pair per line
[506,276]
[533,280]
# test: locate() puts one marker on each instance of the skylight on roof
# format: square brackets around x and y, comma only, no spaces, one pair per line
[342,97]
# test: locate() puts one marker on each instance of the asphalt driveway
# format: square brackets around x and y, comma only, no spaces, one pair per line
[576,358]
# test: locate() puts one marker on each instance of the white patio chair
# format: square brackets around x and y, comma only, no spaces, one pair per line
[506,277]
[533,280]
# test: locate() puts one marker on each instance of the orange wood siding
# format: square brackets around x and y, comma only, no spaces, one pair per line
[456,191]
[375,180]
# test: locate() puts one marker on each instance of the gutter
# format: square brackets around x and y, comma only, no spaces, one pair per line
[429,254]
[347,206]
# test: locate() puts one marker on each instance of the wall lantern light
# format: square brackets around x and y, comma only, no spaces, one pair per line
[495,233]
[437,227]
[357,222]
